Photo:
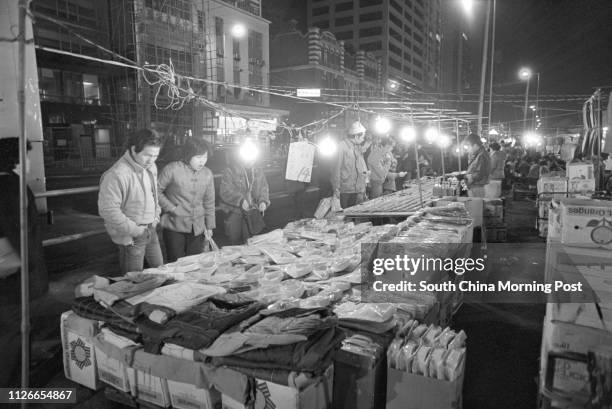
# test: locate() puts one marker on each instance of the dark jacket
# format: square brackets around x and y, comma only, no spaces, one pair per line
[239,184]
[479,167]
[10,228]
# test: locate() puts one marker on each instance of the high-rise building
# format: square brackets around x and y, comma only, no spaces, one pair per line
[405,34]
[455,51]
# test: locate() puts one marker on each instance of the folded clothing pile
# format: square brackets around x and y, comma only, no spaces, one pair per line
[428,351]
[377,318]
[299,340]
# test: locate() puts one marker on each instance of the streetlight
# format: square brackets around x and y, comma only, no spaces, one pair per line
[467,5]
[525,75]
[238,30]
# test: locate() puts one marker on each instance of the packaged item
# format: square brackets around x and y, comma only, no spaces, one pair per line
[418,332]
[420,363]
[430,336]
[586,223]
[436,362]
[393,351]
[406,356]
[445,338]
[458,341]
[454,363]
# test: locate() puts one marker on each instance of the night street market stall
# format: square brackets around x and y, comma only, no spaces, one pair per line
[279,322]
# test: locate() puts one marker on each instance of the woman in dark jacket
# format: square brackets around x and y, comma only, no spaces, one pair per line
[243,188]
[10,287]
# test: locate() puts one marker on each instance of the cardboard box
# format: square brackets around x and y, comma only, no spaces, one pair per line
[113,372]
[580,170]
[584,314]
[600,281]
[569,373]
[79,353]
[549,187]
[359,381]
[150,388]
[409,391]
[186,396]
[586,223]
[581,185]
[317,395]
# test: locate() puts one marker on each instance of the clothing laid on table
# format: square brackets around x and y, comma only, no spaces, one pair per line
[313,355]
[199,326]
[180,296]
[188,199]
[498,164]
[121,288]
[128,201]
[350,171]
[10,286]
[88,307]
[239,185]
[271,328]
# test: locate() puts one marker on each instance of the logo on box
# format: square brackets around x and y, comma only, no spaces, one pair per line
[80,353]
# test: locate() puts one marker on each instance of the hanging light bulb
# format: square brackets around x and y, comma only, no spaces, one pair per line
[382,125]
[408,134]
[248,151]
[327,146]
[443,141]
[431,134]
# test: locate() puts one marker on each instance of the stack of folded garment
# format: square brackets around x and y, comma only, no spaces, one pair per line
[371,317]
[294,340]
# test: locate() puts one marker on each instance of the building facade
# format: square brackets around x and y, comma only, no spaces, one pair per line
[406,35]
[89,107]
[455,51]
[317,59]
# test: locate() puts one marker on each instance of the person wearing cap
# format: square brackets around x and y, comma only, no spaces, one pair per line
[128,202]
[350,173]
[479,167]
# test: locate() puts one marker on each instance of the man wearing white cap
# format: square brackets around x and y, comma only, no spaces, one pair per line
[349,175]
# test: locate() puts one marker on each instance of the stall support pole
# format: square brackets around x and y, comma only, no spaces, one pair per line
[416,156]
[458,143]
[483,69]
[23,201]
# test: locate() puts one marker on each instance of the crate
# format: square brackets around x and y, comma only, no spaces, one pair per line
[497,234]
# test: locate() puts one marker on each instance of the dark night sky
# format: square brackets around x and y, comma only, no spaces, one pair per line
[569,42]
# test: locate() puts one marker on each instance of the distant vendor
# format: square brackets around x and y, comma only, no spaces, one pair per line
[479,168]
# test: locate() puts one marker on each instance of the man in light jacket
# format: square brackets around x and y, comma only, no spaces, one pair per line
[479,168]
[349,176]
[128,202]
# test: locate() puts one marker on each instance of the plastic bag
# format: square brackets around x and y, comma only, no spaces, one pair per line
[458,341]
[406,356]
[454,364]
[335,205]
[323,208]
[420,363]
[436,363]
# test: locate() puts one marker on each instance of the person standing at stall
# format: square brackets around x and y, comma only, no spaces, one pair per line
[244,197]
[128,202]
[10,250]
[498,162]
[479,168]
[187,197]
[380,161]
[349,176]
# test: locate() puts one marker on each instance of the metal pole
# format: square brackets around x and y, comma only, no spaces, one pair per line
[441,149]
[537,100]
[492,68]
[483,70]
[416,155]
[526,103]
[458,143]
[23,200]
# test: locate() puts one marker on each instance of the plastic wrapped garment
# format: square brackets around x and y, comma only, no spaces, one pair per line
[272,238]
[376,312]
[179,297]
